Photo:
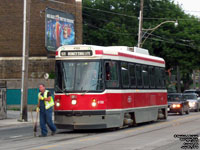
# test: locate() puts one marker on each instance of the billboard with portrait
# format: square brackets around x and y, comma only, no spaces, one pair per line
[59,29]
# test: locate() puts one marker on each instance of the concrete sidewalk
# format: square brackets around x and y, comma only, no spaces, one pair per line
[14,116]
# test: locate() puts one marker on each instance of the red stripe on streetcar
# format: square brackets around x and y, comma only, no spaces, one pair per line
[141,58]
[99,52]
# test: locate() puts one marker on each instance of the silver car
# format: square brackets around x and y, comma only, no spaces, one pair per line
[193,100]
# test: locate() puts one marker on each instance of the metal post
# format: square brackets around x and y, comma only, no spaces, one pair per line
[194,79]
[178,80]
[24,86]
[140,23]
[199,79]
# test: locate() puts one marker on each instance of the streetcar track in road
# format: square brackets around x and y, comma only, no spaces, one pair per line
[89,137]
[169,124]
[140,133]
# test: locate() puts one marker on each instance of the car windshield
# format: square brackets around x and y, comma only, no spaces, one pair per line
[174,97]
[191,91]
[190,96]
[78,76]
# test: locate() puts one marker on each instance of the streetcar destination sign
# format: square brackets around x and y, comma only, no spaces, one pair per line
[76,53]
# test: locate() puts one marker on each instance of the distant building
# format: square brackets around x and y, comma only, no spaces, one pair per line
[11,35]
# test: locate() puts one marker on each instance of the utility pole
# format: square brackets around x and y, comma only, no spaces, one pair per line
[24,83]
[140,23]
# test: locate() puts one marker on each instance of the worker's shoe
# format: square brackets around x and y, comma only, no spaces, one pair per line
[53,133]
[42,135]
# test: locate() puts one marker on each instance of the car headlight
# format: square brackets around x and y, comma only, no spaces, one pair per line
[176,105]
[192,104]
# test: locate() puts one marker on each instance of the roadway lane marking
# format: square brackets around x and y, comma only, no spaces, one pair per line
[51,146]
[88,139]
[17,136]
[45,147]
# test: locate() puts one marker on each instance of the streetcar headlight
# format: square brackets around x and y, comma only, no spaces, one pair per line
[74,102]
[57,104]
[94,103]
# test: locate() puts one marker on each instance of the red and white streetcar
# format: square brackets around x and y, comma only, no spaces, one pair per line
[100,87]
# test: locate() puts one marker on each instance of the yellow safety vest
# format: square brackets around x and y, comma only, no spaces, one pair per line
[48,104]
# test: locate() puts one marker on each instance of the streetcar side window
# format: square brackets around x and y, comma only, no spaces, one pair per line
[163,79]
[112,78]
[124,75]
[59,78]
[132,75]
[158,77]
[152,77]
[145,76]
[139,76]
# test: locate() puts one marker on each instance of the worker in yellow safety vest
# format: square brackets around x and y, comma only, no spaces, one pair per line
[45,107]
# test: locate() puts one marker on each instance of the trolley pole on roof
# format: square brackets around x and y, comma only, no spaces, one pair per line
[140,23]
[24,83]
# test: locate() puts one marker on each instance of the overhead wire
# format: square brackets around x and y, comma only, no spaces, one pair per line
[107,30]
[159,38]
[125,34]
[104,20]
[119,14]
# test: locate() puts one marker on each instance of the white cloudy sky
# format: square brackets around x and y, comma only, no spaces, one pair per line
[190,6]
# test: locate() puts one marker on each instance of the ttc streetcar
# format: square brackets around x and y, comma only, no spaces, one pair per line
[100,87]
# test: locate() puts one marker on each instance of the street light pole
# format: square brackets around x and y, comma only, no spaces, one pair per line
[24,83]
[140,23]
[153,29]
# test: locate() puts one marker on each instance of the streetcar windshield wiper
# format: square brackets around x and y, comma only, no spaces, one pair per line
[84,90]
[62,90]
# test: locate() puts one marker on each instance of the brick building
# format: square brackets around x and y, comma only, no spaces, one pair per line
[11,35]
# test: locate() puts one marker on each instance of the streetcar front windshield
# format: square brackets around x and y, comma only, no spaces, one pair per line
[82,76]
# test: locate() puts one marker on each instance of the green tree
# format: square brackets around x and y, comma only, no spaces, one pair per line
[115,22]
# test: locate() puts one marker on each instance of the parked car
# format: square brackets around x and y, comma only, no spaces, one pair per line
[177,104]
[193,91]
[193,100]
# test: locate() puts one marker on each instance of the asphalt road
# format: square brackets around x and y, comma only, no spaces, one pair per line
[161,135]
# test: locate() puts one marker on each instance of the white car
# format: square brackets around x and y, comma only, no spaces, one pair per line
[192,98]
